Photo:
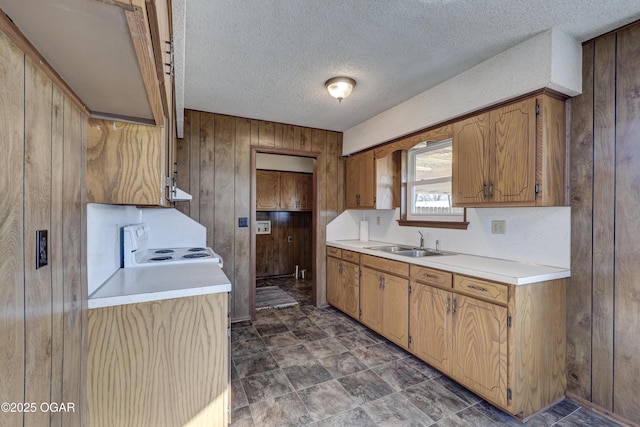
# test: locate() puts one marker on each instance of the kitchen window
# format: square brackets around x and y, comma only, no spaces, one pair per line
[428,188]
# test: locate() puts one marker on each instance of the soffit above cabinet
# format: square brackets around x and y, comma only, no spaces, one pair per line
[89,45]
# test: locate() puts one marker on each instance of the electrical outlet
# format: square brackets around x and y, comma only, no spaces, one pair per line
[243,221]
[290,239]
[42,248]
[499,227]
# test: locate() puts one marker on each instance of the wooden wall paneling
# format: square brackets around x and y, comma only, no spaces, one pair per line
[332,159]
[183,157]
[255,132]
[242,297]
[194,163]
[224,171]
[319,144]
[603,220]
[277,135]
[37,214]
[297,137]
[12,326]
[282,260]
[288,135]
[627,226]
[75,280]
[305,139]
[57,249]
[207,176]
[340,197]
[266,134]
[579,287]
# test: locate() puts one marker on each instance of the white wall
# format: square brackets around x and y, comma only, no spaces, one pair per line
[550,59]
[535,235]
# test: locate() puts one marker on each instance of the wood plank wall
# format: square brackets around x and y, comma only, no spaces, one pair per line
[42,176]
[275,255]
[214,161]
[603,313]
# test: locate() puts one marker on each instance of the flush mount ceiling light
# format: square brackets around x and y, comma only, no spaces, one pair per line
[340,87]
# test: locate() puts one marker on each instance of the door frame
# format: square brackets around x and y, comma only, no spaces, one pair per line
[314,218]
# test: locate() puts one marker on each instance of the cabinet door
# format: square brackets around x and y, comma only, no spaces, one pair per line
[361,181]
[470,167]
[430,324]
[333,282]
[480,347]
[513,157]
[371,299]
[267,190]
[289,191]
[350,288]
[305,191]
[395,309]
[351,182]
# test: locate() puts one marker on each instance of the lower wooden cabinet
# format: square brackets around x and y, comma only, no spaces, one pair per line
[343,287]
[506,343]
[160,363]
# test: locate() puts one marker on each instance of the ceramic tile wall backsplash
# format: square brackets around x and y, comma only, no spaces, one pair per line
[167,227]
[536,235]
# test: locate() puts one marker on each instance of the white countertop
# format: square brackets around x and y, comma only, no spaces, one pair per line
[499,270]
[160,282]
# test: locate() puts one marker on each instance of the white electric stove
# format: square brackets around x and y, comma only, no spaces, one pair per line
[136,252]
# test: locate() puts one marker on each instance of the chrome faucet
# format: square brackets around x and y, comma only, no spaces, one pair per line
[437,245]
[421,240]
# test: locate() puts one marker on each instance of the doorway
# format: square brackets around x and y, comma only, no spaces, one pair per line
[291,157]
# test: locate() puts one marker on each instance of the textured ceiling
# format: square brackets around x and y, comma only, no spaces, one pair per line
[269,59]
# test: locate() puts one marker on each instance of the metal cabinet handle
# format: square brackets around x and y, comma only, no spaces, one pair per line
[477,288]
[431,276]
[453,309]
[448,304]
[484,190]
[340,268]
[490,189]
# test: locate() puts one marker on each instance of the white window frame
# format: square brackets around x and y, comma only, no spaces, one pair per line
[449,214]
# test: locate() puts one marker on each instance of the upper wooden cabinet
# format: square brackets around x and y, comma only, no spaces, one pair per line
[127,163]
[372,183]
[283,191]
[511,156]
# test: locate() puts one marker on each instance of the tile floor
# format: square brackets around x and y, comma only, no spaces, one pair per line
[309,366]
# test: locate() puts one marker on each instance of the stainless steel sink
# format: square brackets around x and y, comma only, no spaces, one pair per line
[391,248]
[417,253]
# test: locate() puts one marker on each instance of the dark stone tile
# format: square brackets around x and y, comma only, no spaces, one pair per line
[340,365]
[284,339]
[247,347]
[563,408]
[266,317]
[374,355]
[283,411]
[325,347]
[306,375]
[337,328]
[290,313]
[355,340]
[292,355]
[241,417]
[352,418]
[584,417]
[323,317]
[422,367]
[238,396]
[245,333]
[234,371]
[271,328]
[310,334]
[434,400]
[298,323]
[399,374]
[266,385]
[395,410]
[469,417]
[365,386]
[254,364]
[399,352]
[241,324]
[496,415]
[326,399]
[461,393]
[374,336]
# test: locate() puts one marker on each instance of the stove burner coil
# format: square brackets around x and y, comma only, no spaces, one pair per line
[196,249]
[164,251]
[197,255]
[161,258]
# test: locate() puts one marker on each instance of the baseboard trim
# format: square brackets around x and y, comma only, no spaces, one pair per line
[600,410]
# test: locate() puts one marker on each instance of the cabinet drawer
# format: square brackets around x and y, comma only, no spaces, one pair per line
[351,256]
[387,265]
[430,276]
[334,252]
[481,288]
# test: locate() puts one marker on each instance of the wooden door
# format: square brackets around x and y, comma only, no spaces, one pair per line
[350,275]
[371,299]
[480,347]
[305,191]
[289,191]
[513,156]
[267,190]
[334,280]
[470,168]
[395,309]
[430,325]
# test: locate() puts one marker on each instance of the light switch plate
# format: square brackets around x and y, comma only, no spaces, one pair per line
[42,248]
[499,227]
